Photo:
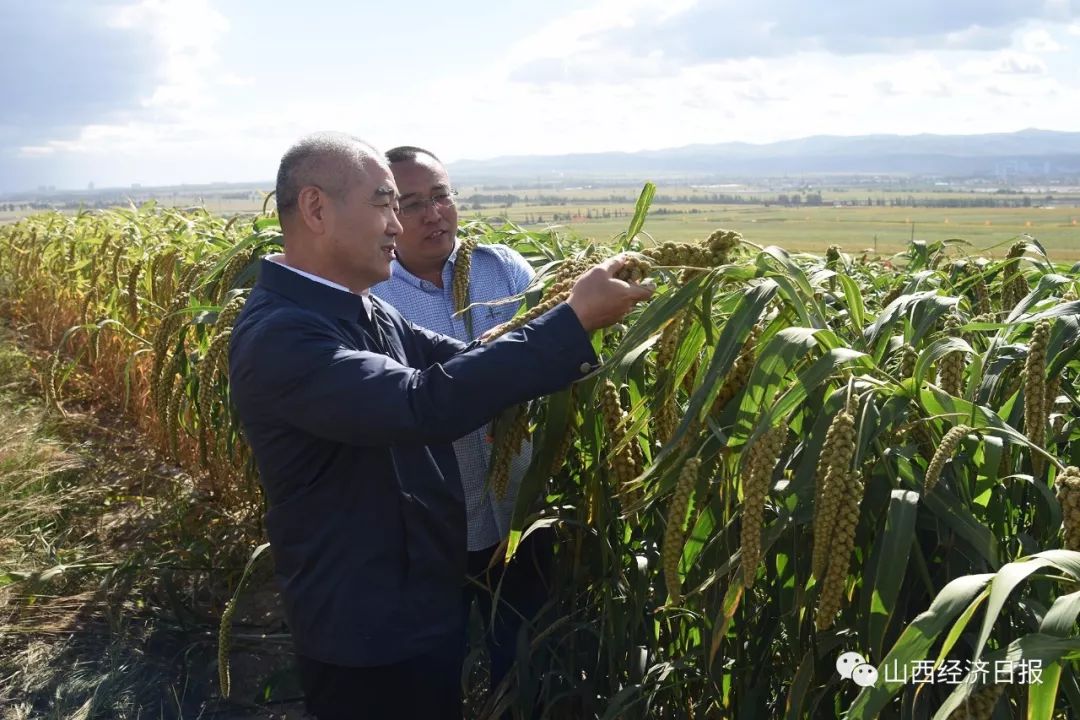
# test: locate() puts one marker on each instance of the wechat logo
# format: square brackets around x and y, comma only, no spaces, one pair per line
[853,666]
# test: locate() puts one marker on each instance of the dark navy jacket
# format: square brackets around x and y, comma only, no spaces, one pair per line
[365,511]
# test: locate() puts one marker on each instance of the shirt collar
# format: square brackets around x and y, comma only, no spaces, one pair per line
[279,258]
[398,270]
[452,258]
[312,291]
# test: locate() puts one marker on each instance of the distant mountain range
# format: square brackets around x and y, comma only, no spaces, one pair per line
[1043,154]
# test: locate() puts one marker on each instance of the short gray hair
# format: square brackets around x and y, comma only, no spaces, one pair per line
[329,160]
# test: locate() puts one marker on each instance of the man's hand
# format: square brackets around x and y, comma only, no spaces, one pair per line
[599,299]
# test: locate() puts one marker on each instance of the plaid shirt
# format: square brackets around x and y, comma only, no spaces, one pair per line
[497,272]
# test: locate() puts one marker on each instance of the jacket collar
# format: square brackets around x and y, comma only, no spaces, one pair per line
[310,294]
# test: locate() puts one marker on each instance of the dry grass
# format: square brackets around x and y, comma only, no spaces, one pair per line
[112,574]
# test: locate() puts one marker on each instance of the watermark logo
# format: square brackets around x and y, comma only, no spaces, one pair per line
[864,675]
[959,672]
[853,666]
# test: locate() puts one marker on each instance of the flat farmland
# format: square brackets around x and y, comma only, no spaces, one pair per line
[843,218]
[813,228]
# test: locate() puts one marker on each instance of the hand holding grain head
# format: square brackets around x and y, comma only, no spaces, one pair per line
[599,299]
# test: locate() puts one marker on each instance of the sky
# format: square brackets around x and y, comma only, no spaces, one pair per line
[116,92]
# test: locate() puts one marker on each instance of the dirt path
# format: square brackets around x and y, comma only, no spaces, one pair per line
[113,574]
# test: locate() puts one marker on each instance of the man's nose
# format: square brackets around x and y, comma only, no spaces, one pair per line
[429,208]
[394,226]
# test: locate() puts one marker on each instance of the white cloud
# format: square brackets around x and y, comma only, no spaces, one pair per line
[187,33]
[974,37]
[581,33]
[568,34]
[589,68]
[1039,40]
[762,100]
[31,151]
[1014,63]
[108,139]
[611,76]
[1007,62]
[229,79]
[921,75]
[1058,9]
[760,94]
[688,33]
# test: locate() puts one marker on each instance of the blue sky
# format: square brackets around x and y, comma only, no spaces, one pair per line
[168,91]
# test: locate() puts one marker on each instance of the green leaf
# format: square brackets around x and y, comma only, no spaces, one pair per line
[797,697]
[937,350]
[1045,649]
[892,313]
[641,210]
[775,361]
[560,414]
[729,344]
[698,536]
[1064,344]
[1042,697]
[894,548]
[854,299]
[1006,581]
[789,269]
[1060,620]
[916,640]
[979,417]
[956,515]
[958,628]
[727,613]
[814,376]
[1046,285]
[658,313]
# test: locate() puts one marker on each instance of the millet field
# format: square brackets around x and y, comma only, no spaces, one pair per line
[784,458]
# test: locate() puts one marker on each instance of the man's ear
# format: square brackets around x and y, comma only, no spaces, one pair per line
[313,208]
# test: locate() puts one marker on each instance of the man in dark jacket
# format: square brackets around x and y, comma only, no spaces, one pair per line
[351,410]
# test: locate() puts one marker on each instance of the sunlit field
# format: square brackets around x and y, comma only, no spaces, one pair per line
[785,459]
[884,230]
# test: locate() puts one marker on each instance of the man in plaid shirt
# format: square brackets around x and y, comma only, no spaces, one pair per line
[421,288]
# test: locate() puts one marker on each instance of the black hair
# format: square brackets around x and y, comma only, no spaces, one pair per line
[404,153]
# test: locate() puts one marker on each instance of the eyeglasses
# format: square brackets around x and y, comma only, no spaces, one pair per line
[440,201]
